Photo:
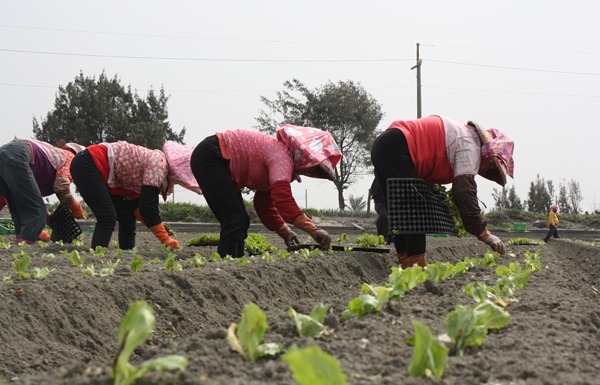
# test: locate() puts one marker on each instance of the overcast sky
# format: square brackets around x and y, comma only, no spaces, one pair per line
[529,68]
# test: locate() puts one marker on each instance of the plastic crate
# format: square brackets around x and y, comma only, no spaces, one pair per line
[414,207]
[64,227]
[520,227]
[6,226]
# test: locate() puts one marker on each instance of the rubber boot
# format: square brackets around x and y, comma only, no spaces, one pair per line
[406,262]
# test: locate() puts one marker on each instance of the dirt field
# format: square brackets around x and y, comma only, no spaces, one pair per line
[63,329]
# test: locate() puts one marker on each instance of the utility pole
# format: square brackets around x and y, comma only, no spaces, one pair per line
[418,67]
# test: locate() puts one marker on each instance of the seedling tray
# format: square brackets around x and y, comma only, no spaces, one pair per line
[340,248]
[414,207]
[6,226]
[63,225]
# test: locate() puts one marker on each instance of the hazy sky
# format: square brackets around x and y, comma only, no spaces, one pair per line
[529,68]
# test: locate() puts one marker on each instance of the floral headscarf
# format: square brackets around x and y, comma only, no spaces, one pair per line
[180,172]
[496,154]
[311,147]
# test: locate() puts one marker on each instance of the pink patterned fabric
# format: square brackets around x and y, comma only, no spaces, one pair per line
[311,147]
[135,166]
[498,151]
[178,156]
[258,161]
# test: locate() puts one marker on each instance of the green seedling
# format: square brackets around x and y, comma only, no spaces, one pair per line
[467,326]
[76,259]
[242,260]
[409,277]
[20,264]
[523,241]
[89,271]
[246,338]
[514,273]
[312,366]
[385,293]
[439,271]
[197,260]
[137,324]
[532,260]
[284,254]
[215,257]
[256,243]
[137,264]
[361,306]
[430,356]
[343,239]
[48,256]
[267,257]
[170,263]
[40,273]
[5,245]
[207,239]
[99,251]
[370,240]
[310,325]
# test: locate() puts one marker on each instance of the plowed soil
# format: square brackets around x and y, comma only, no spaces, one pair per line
[63,329]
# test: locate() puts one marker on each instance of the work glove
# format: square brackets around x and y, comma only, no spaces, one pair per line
[76,211]
[44,236]
[289,237]
[322,238]
[138,215]
[492,241]
[161,233]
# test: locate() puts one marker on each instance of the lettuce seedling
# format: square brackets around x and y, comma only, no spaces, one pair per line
[40,273]
[533,260]
[310,325]
[197,260]
[76,259]
[20,264]
[429,355]
[361,306]
[170,263]
[370,240]
[137,264]
[246,338]
[312,366]
[137,324]
[409,277]
[467,326]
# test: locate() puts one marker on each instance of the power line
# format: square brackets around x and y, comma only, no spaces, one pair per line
[204,59]
[512,49]
[201,37]
[514,68]
[368,87]
[513,92]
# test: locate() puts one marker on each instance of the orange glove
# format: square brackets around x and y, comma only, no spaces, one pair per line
[76,211]
[44,236]
[161,233]
[304,223]
[138,215]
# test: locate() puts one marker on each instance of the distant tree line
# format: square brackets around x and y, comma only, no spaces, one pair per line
[541,197]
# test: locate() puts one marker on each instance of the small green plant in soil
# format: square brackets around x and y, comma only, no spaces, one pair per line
[137,264]
[467,326]
[370,240]
[430,355]
[312,366]
[137,324]
[523,241]
[246,337]
[310,325]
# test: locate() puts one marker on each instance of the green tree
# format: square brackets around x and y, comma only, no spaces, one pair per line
[540,195]
[500,198]
[514,202]
[563,199]
[90,111]
[575,197]
[344,109]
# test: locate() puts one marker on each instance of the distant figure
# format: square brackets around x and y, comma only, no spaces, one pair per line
[382,222]
[552,224]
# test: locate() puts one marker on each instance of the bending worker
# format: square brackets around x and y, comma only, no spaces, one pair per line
[30,170]
[225,163]
[122,182]
[441,151]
